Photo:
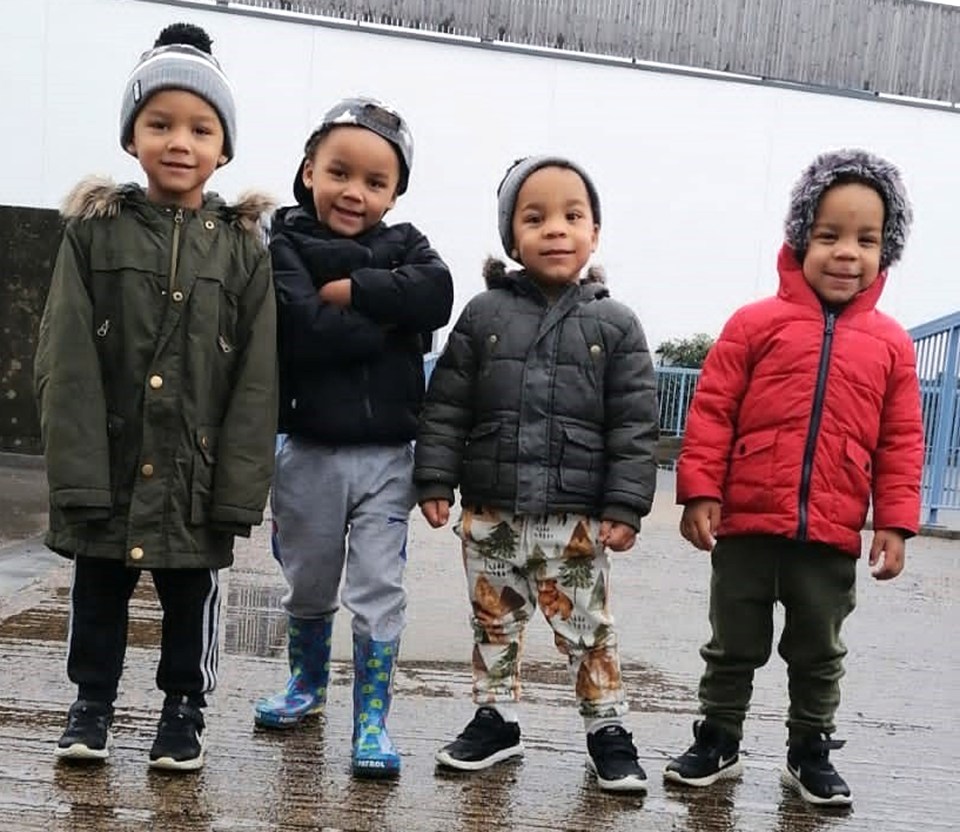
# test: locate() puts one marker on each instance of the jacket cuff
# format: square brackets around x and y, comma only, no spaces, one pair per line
[85,514]
[236,529]
[434,491]
[621,514]
[234,516]
[81,498]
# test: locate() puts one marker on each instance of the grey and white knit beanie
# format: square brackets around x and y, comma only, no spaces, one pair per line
[850,165]
[180,60]
[516,175]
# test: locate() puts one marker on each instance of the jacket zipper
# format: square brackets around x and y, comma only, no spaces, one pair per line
[366,392]
[174,255]
[815,417]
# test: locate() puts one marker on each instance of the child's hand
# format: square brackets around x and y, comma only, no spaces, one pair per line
[437,512]
[699,523]
[618,537]
[336,292]
[887,554]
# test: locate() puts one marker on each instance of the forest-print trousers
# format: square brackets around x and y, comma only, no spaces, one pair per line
[515,562]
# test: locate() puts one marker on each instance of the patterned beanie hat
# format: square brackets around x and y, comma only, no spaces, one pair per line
[842,166]
[180,60]
[375,116]
[509,189]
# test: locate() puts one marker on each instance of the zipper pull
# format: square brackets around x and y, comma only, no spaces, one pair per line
[104,328]
[831,320]
[178,217]
[224,344]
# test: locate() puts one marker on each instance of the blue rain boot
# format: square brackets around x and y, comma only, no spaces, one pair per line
[308,646]
[373,666]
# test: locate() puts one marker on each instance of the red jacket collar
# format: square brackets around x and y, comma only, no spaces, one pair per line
[794,286]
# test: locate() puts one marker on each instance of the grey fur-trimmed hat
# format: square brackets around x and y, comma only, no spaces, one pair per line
[180,66]
[842,166]
[516,175]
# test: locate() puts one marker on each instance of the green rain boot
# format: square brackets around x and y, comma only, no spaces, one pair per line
[373,665]
[308,646]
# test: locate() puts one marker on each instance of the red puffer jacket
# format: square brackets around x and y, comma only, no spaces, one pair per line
[800,412]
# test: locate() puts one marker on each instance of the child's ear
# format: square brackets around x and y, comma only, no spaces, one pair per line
[515,254]
[307,176]
[595,240]
[132,149]
[222,160]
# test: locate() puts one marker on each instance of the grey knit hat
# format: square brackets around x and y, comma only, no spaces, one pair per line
[516,175]
[174,65]
[376,117]
[850,165]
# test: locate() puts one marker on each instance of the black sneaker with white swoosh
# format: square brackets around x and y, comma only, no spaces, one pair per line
[714,755]
[810,773]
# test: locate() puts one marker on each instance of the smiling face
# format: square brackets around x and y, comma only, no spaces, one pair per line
[843,256]
[178,140]
[553,229]
[353,175]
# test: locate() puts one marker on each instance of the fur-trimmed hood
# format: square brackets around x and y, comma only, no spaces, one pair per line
[496,275]
[97,197]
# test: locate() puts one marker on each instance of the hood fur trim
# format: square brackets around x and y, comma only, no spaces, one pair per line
[99,197]
[95,196]
[496,275]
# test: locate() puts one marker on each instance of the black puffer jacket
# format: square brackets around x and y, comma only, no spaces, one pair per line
[542,409]
[355,375]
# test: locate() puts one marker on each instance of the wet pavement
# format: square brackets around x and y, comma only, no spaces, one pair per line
[898,713]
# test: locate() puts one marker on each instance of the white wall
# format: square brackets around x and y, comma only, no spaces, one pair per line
[693,173]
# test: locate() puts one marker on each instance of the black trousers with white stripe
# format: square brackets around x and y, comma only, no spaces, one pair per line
[97,641]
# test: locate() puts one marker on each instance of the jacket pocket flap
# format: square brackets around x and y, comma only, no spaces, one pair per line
[207,443]
[858,455]
[482,430]
[585,437]
[753,443]
[123,258]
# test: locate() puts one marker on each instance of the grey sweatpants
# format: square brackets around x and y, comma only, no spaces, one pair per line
[334,505]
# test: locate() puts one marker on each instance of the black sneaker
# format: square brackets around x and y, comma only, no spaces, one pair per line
[180,735]
[87,738]
[714,755]
[810,773]
[612,757]
[488,739]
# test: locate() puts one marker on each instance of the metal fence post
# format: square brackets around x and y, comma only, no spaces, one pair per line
[939,458]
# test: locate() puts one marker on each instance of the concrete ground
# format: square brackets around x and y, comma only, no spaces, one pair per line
[898,713]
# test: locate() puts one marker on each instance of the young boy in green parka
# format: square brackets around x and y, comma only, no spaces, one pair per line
[156,384]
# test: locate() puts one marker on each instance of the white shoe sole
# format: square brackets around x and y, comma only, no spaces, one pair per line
[78,752]
[791,781]
[169,764]
[631,783]
[445,759]
[728,773]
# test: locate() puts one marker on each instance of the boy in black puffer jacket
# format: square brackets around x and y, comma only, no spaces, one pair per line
[357,303]
[543,410]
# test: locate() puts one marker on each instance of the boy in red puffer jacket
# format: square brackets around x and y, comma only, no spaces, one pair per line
[808,404]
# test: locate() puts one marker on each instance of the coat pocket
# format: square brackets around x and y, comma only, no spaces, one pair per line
[481,457]
[858,470]
[751,477]
[204,463]
[215,305]
[581,461]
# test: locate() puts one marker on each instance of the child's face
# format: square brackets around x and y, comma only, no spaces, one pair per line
[353,175]
[178,139]
[553,229]
[843,257]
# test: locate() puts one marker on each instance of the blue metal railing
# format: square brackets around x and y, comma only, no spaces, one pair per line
[938,366]
[675,388]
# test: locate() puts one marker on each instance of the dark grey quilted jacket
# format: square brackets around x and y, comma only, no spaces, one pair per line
[542,409]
